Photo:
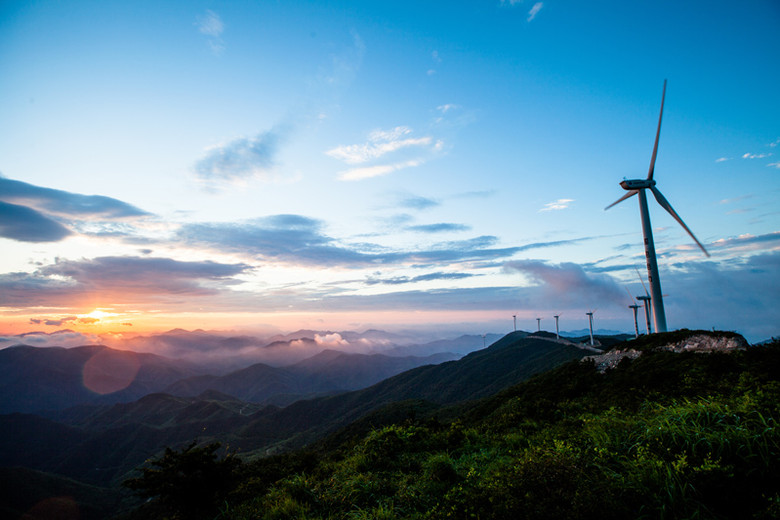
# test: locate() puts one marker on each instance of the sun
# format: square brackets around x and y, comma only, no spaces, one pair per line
[97,314]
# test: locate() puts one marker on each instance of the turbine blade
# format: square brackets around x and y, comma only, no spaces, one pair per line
[641,280]
[668,207]
[621,199]
[657,134]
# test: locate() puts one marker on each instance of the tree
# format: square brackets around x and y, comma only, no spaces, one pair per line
[187,484]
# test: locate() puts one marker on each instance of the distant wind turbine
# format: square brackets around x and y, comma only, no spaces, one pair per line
[538,324]
[633,306]
[646,300]
[557,334]
[590,322]
[638,187]
[514,319]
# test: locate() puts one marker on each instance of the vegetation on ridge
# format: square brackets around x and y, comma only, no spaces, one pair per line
[665,435]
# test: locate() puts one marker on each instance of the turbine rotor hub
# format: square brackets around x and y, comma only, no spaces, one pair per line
[637,184]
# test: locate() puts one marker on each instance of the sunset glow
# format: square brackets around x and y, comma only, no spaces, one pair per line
[268,167]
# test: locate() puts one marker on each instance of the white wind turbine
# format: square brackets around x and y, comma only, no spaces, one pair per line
[590,324]
[557,333]
[638,187]
[634,307]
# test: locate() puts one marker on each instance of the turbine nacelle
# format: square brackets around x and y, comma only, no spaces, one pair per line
[637,184]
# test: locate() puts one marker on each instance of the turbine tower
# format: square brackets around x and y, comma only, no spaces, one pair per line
[557,334]
[538,324]
[638,187]
[514,319]
[634,307]
[646,300]
[590,322]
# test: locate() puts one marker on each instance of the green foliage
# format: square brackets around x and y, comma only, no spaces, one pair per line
[187,484]
[671,436]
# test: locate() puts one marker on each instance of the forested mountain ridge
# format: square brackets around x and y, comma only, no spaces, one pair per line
[667,434]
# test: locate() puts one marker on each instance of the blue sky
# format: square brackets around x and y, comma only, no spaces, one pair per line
[240,165]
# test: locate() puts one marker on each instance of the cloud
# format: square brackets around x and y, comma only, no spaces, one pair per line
[557,205]
[396,148]
[333,340]
[27,225]
[62,338]
[756,155]
[748,242]
[211,26]
[357,174]
[735,199]
[66,204]
[442,227]
[722,159]
[299,240]
[568,283]
[534,10]
[380,143]
[398,280]
[116,280]
[556,243]
[774,165]
[417,202]
[241,158]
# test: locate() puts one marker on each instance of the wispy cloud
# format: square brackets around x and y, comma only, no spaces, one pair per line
[417,202]
[557,205]
[735,199]
[380,143]
[774,165]
[357,174]
[388,150]
[535,10]
[749,242]
[442,227]
[722,159]
[242,158]
[756,155]
[399,280]
[211,26]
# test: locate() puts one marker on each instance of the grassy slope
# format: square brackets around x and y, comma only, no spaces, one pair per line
[664,436]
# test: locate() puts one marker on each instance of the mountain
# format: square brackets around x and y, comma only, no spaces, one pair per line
[328,372]
[97,444]
[460,345]
[512,359]
[36,379]
[26,493]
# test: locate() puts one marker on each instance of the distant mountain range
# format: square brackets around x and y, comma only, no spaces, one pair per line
[99,444]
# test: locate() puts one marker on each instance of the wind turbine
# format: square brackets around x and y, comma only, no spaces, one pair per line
[557,334]
[646,300]
[638,187]
[633,306]
[590,322]
[514,319]
[538,324]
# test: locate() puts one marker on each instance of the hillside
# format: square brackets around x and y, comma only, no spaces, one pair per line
[328,372]
[100,444]
[36,379]
[667,434]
